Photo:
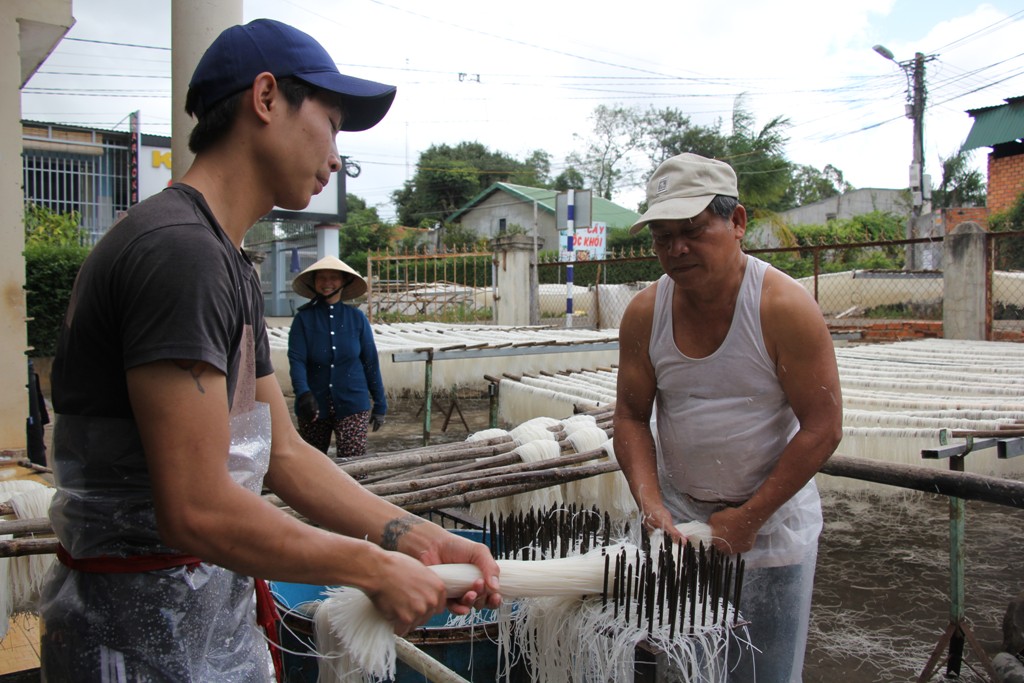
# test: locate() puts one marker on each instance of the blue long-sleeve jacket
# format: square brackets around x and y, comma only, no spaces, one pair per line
[331,353]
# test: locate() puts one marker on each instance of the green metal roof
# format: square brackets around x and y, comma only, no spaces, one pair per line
[602,210]
[996,125]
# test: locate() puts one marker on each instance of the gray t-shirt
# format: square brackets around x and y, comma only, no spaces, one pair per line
[164,283]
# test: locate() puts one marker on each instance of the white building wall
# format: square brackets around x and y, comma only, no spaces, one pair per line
[485,218]
[29,29]
[848,205]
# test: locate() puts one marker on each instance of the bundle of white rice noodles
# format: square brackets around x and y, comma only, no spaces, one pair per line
[537,429]
[21,577]
[550,624]
[609,491]
[486,434]
[539,499]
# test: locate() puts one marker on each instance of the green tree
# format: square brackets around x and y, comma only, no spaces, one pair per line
[961,185]
[362,232]
[448,177]
[536,171]
[605,162]
[668,132]
[756,153]
[569,179]
[807,185]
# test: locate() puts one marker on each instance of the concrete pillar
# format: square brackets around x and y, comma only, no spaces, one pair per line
[513,255]
[29,30]
[964,284]
[194,25]
[327,241]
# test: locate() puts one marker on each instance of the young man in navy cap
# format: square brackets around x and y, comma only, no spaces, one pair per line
[738,360]
[171,422]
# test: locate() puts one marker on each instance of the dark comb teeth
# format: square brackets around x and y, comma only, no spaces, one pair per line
[675,584]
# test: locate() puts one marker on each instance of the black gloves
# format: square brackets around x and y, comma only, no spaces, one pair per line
[376,421]
[306,408]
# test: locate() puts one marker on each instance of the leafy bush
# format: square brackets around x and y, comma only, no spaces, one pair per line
[50,271]
[53,255]
[43,226]
[1010,254]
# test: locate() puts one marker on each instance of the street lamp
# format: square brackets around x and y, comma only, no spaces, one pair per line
[919,182]
[884,51]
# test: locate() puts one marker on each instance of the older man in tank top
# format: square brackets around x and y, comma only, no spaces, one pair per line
[736,357]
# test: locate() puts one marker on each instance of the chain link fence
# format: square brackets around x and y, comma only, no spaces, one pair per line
[863,284]
[600,290]
[1007,283]
[858,286]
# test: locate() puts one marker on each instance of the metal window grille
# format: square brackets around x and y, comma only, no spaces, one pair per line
[84,171]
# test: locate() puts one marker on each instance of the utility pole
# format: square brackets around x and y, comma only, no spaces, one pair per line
[920,190]
[917,175]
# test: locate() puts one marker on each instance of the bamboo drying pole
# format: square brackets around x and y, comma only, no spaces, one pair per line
[369,465]
[519,483]
[28,546]
[964,485]
[398,487]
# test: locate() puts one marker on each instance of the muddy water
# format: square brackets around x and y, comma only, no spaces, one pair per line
[882,584]
[881,592]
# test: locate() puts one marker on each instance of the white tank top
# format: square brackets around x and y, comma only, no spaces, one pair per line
[722,420]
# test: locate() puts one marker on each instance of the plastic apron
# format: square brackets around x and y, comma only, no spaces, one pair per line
[778,581]
[177,624]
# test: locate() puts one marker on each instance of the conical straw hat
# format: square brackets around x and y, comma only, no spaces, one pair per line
[303,283]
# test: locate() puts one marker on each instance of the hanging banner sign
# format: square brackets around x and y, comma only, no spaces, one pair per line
[588,244]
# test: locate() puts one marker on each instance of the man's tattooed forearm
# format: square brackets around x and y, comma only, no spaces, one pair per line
[397,528]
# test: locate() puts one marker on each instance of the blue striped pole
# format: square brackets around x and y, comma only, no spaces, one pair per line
[570,225]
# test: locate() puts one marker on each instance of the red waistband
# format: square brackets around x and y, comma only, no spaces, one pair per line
[266,611]
[125,565]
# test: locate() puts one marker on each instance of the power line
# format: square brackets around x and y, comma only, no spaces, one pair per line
[116,44]
[991,28]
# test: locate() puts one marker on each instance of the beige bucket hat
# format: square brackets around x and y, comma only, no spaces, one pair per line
[304,282]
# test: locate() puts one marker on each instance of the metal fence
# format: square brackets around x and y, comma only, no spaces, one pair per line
[863,283]
[454,285]
[1006,283]
[600,290]
[850,292]
[84,171]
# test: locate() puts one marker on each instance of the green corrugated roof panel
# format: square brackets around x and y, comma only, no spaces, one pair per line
[604,211]
[611,214]
[996,125]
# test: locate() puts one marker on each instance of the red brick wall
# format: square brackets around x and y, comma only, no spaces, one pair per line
[904,330]
[954,217]
[1005,181]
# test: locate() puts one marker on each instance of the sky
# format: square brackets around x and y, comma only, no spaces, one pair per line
[528,75]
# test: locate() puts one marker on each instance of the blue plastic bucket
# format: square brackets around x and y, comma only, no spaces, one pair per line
[470,651]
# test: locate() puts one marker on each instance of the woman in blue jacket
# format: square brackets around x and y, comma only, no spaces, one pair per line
[333,361]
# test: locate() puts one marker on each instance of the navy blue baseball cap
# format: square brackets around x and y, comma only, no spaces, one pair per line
[240,53]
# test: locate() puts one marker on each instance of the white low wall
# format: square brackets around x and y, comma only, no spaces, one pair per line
[854,289]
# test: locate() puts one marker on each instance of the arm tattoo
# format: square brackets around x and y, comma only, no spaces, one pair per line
[397,528]
[194,368]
